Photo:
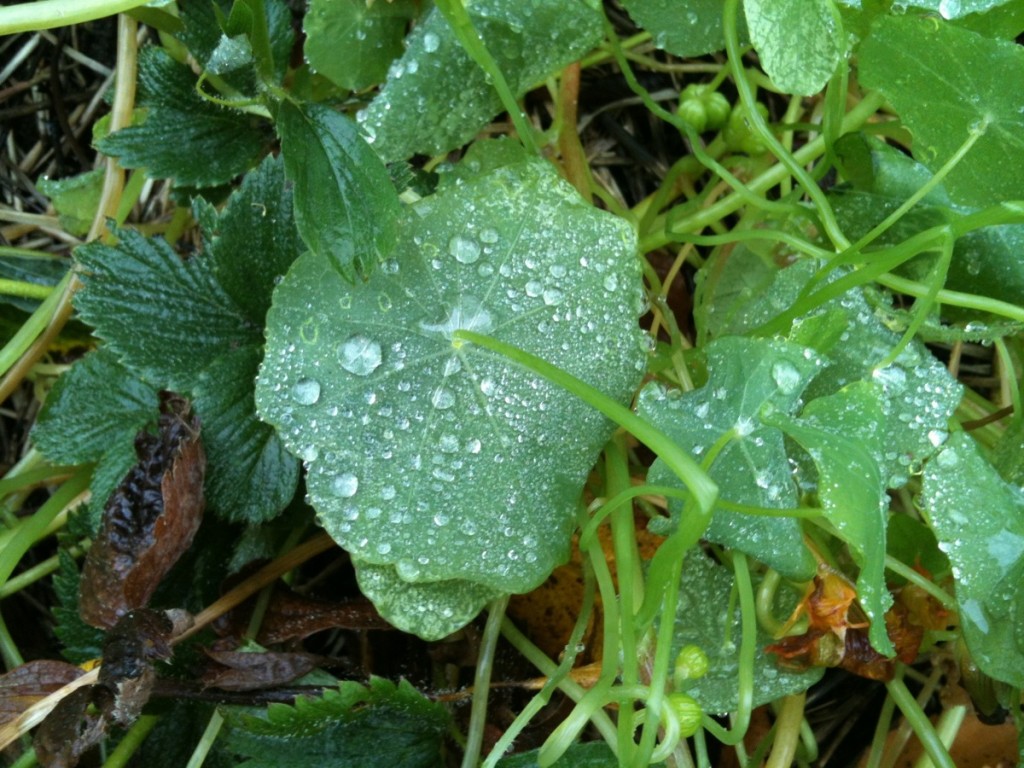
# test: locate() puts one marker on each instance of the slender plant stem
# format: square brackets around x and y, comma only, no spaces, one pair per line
[47,14]
[209,736]
[920,723]
[787,731]
[482,682]
[130,743]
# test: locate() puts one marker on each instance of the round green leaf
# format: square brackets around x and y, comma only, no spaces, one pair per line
[428,454]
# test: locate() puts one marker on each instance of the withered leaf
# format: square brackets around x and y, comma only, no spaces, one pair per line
[292,616]
[240,671]
[127,675]
[69,731]
[29,682]
[149,521]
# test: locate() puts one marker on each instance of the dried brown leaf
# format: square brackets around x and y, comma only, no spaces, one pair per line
[240,671]
[149,521]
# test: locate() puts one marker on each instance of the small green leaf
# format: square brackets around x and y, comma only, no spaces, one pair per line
[797,41]
[353,727]
[979,522]
[745,376]
[178,324]
[906,58]
[684,29]
[345,206]
[702,619]
[842,434]
[434,456]
[76,199]
[351,42]
[184,137]
[437,98]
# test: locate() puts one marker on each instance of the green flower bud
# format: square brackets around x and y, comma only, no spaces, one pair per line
[693,112]
[718,109]
[739,134]
[687,711]
[691,663]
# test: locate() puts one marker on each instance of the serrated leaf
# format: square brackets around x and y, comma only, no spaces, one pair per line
[979,522]
[352,727]
[745,376]
[701,619]
[842,433]
[906,57]
[797,41]
[92,414]
[592,754]
[221,143]
[436,97]
[345,206]
[79,641]
[435,456]
[195,325]
[351,43]
[690,29]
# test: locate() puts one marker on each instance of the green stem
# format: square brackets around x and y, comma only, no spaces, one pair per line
[787,159]
[675,457]
[920,723]
[699,219]
[35,325]
[24,289]
[206,741]
[129,745]
[787,731]
[547,667]
[47,14]
[454,12]
[482,682]
[953,298]
[32,528]
[9,651]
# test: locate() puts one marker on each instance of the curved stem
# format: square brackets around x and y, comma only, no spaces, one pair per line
[920,723]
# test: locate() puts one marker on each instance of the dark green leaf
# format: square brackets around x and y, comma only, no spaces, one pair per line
[345,206]
[439,458]
[352,727]
[908,60]
[979,522]
[437,98]
[702,619]
[195,325]
[744,377]
[690,29]
[797,41]
[79,641]
[352,43]
[593,754]
[185,137]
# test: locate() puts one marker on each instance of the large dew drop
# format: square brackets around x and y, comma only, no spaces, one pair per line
[468,314]
[306,391]
[786,376]
[345,486]
[360,355]
[464,249]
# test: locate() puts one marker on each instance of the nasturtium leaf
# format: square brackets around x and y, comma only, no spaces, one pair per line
[434,456]
[436,97]
[92,414]
[907,59]
[431,610]
[221,143]
[979,522]
[842,433]
[192,326]
[745,376]
[352,727]
[702,619]
[921,395]
[797,42]
[345,205]
[351,42]
[684,29]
